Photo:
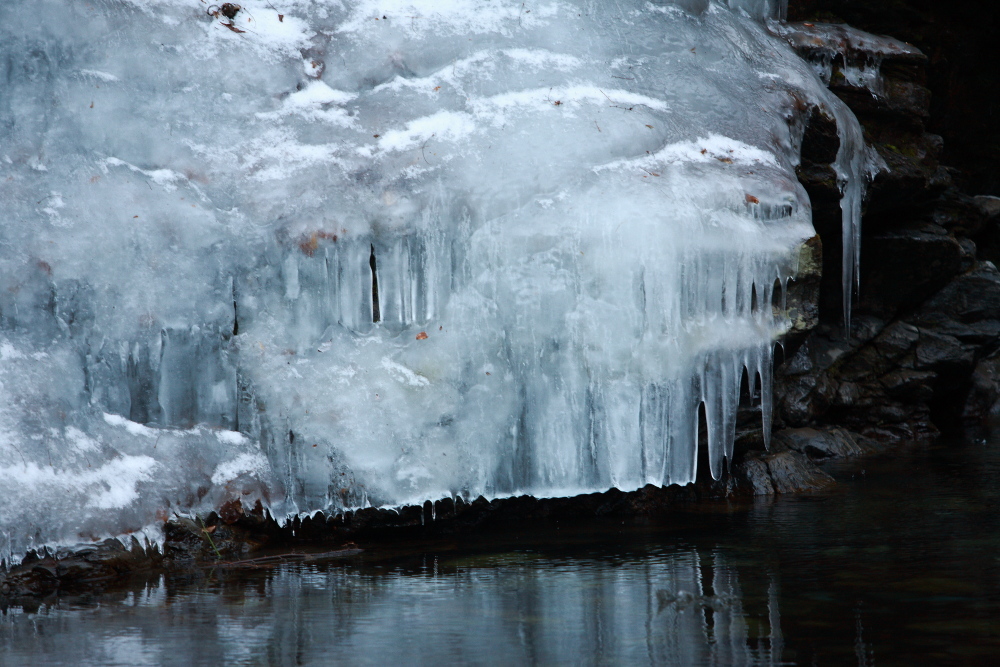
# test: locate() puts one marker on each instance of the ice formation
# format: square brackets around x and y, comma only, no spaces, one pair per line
[329,254]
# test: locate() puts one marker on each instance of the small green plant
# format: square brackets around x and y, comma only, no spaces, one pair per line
[208,536]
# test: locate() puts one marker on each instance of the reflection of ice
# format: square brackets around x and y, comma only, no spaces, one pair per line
[685,608]
[438,253]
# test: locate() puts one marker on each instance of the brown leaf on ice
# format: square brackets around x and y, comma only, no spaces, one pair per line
[229,10]
[309,246]
[231,512]
[422,335]
[752,200]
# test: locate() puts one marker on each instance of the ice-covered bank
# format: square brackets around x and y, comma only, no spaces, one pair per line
[330,254]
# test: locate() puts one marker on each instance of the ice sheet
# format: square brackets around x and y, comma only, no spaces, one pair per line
[330,254]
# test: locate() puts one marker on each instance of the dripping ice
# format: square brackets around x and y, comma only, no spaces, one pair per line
[386,253]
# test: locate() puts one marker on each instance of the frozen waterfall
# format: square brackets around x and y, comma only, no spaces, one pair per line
[335,254]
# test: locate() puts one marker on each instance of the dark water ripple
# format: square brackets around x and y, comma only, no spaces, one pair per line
[900,564]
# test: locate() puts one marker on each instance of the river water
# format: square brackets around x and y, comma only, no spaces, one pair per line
[899,564]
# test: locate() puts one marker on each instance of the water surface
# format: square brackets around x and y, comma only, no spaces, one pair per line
[900,564]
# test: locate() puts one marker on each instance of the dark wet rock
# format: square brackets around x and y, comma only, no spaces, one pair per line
[792,472]
[897,340]
[911,265]
[780,472]
[988,206]
[757,478]
[820,142]
[960,41]
[928,310]
[787,466]
[972,297]
[78,568]
[983,401]
[910,386]
[802,299]
[941,352]
[911,179]
[824,444]
[958,213]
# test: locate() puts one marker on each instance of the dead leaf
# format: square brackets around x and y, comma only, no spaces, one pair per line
[230,512]
[752,200]
[422,335]
[309,246]
[229,10]
[281,18]
[232,27]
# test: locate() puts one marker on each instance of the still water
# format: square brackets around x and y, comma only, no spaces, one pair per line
[899,564]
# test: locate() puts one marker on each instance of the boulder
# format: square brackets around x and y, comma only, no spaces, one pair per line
[833,443]
[983,401]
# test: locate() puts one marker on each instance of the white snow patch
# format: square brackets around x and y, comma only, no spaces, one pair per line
[132,427]
[403,374]
[97,74]
[244,464]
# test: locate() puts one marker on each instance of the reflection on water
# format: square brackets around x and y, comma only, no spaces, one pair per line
[683,608]
[899,565]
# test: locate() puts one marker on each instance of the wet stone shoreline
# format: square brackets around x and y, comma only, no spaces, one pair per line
[236,538]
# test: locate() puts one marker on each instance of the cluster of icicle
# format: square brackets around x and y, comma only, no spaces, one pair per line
[389,252]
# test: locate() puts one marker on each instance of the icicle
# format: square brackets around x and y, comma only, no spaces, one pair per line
[852,169]
[766,368]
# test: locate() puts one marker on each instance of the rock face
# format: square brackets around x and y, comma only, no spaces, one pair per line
[920,357]
[962,60]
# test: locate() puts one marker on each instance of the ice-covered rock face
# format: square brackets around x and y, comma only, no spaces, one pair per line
[328,254]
